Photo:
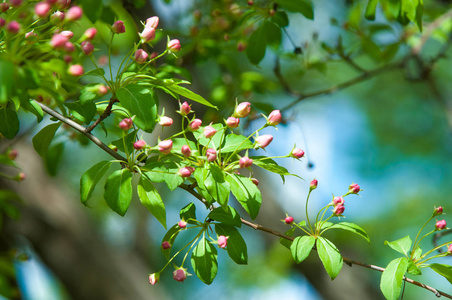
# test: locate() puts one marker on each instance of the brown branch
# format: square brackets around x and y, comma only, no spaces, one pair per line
[103,116]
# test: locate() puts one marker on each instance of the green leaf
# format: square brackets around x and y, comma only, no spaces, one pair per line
[273,34]
[391,279]
[352,228]
[53,158]
[419,14]
[188,213]
[204,261]
[330,257]
[229,217]
[270,165]
[216,184]
[118,191]
[167,172]
[200,174]
[6,81]
[33,107]
[301,247]
[151,199]
[127,141]
[90,178]
[443,270]
[413,269]
[257,44]
[82,112]
[170,237]
[302,6]
[402,245]
[9,122]
[280,18]
[42,139]
[285,242]
[92,9]
[95,72]
[246,193]
[236,247]
[139,101]
[189,94]
[371,9]
[179,142]
[236,143]
[215,141]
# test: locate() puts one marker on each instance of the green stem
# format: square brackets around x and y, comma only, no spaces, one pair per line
[306,210]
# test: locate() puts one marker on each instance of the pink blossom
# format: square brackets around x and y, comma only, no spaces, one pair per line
[297,153]
[87,47]
[242,110]
[180,275]
[184,109]
[245,162]
[440,224]
[209,131]
[288,220]
[222,241]
[126,124]
[194,125]
[118,27]
[139,145]
[74,13]
[42,9]
[174,45]
[76,70]
[185,150]
[165,146]
[274,118]
[141,56]
[147,35]
[166,245]
[166,121]
[354,188]
[152,22]
[211,154]
[264,140]
[90,33]
[232,122]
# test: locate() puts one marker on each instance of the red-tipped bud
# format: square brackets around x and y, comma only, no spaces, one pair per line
[118,27]
[241,46]
[69,47]
[102,89]
[174,45]
[209,131]
[126,124]
[147,35]
[165,146]
[354,188]
[245,162]
[30,36]
[264,140]
[338,201]
[166,245]
[288,220]
[13,27]
[255,181]
[211,154]
[152,22]
[57,17]
[222,241]
[313,184]
[154,278]
[58,40]
[2,22]
[440,225]
[242,110]
[274,118]
[185,150]
[182,224]
[74,13]
[338,210]
[297,153]
[250,2]
[16,2]
[63,4]
[90,33]
[232,122]
[180,275]
[4,6]
[166,121]
[139,145]
[186,172]
[141,56]
[67,58]
[87,47]
[184,109]
[42,9]
[67,34]
[12,154]
[20,176]
[194,125]
[76,70]
[438,211]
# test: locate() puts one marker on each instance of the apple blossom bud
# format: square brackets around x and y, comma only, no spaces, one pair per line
[211,154]
[13,27]
[67,34]
[297,153]
[51,2]
[42,9]
[74,13]
[241,46]
[126,124]
[182,224]
[174,45]
[440,225]
[264,140]
[69,47]
[438,211]
[76,70]
[354,188]
[147,35]
[58,41]
[274,118]
[313,184]
[180,275]
[242,110]
[245,162]
[2,22]
[118,27]
[165,146]
[63,4]
[20,177]
[209,131]
[185,150]
[16,2]
[186,172]
[222,241]
[139,145]
[4,6]
[152,22]
[67,58]
[57,16]
[141,56]
[255,181]
[194,125]
[12,154]
[87,47]
[232,122]
[102,89]
[288,220]
[449,249]
[166,121]
[250,2]
[338,201]
[338,210]
[154,278]
[113,147]
[103,60]
[166,245]
[31,36]
[184,109]
[90,33]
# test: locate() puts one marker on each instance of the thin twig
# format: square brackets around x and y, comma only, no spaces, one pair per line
[103,116]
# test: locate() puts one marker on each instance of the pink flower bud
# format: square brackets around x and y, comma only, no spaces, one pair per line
[2,22]
[103,60]
[165,146]
[67,34]
[438,211]
[58,41]
[57,16]
[12,154]
[16,2]
[90,33]
[139,145]
[264,140]
[166,121]
[449,249]
[152,22]
[288,220]
[185,150]
[232,122]
[338,201]
[174,45]
[126,124]
[67,58]
[182,224]
[297,153]
[51,2]
[20,177]
[141,56]
[313,184]
[354,188]
[118,27]
[338,210]
[87,47]
[242,110]
[154,278]
[194,125]
[180,275]
[63,4]
[250,2]
[209,131]
[4,6]
[241,46]
[147,35]
[254,180]
[69,47]
[42,9]
[211,154]
[76,70]
[185,172]
[13,27]
[222,241]
[245,162]
[166,245]
[74,13]
[102,89]
[184,109]
[31,35]
[440,225]
[274,118]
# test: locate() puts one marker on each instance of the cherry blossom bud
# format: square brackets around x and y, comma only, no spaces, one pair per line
[67,58]
[274,118]
[90,33]
[20,177]
[440,225]
[250,2]
[185,172]
[165,146]
[184,109]
[254,180]
[4,6]
[166,121]
[139,145]
[102,89]
[147,35]
[154,278]
[338,210]
[141,56]
[241,46]
[42,9]
[166,245]
[2,22]
[264,140]
[245,162]
[74,13]
[13,27]
[30,36]
[185,150]
[63,4]
[57,16]
[58,41]
[338,201]
[16,2]
[103,60]
[194,125]
[438,211]
[67,34]
[174,45]
[449,249]
[211,154]
[182,224]
[126,124]
[209,131]
[232,122]
[288,220]
[222,241]
[51,2]
[152,22]
[242,110]
[76,70]
[118,27]
[313,184]
[354,188]
[180,275]
[87,47]
[69,47]
[297,153]
[12,154]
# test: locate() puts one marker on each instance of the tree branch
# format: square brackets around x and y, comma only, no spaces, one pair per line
[103,116]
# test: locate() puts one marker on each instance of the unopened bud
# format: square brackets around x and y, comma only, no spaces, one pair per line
[185,150]
[57,17]
[139,145]
[288,220]
[76,70]
[194,125]
[74,13]
[222,241]
[58,41]
[440,225]
[264,140]
[209,131]
[152,22]
[245,162]
[87,47]
[241,46]
[141,56]
[165,146]
[338,201]
[449,249]
[211,154]
[438,211]
[90,33]
[242,110]
[313,184]
[255,181]
[147,35]
[354,188]
[297,153]
[274,118]
[186,172]
[174,45]
[184,109]
[126,124]
[2,22]
[12,154]
[118,27]
[166,121]
[180,274]
[232,122]
[13,27]
[16,2]
[4,6]
[338,210]
[154,278]
[166,245]
[69,47]
[42,9]
[20,176]
[182,224]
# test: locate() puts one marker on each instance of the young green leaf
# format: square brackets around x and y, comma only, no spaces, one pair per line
[370,9]
[42,139]
[126,144]
[189,94]
[215,141]
[151,199]
[246,193]
[236,143]
[301,247]
[270,165]
[217,185]
[229,217]
[188,213]
[330,257]
[6,81]
[273,34]
[413,269]
[118,191]
[236,248]
[204,261]
[257,44]
[285,242]
[391,279]
[352,228]
[33,107]
[200,174]
[302,6]
[9,123]
[90,178]
[82,112]
[443,270]
[402,245]
[53,158]
[92,9]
